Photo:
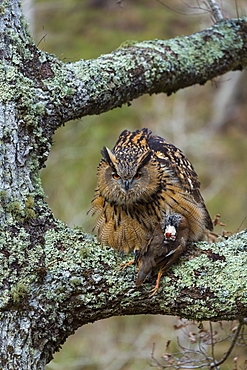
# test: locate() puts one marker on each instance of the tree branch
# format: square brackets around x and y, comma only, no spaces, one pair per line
[96,86]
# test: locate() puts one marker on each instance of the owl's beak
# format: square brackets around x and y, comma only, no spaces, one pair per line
[126,185]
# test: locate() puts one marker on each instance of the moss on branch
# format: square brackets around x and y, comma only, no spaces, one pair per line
[159,66]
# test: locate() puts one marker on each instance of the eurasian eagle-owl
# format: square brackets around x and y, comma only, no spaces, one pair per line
[141,181]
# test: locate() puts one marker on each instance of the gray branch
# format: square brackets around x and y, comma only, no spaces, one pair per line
[136,68]
[54,279]
[215,9]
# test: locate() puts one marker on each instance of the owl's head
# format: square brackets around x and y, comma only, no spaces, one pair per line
[129,173]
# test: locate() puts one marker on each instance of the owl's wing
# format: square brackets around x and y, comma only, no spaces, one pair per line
[178,170]
[173,161]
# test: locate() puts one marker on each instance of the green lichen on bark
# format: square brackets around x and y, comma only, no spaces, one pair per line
[219,276]
[199,285]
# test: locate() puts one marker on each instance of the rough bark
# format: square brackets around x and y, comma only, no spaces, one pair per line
[54,279]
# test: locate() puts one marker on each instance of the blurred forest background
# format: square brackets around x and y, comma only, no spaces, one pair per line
[209,123]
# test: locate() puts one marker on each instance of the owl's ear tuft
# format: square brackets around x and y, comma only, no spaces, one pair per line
[108,156]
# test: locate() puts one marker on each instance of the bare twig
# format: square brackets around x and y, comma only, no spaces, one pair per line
[236,6]
[42,38]
[212,341]
[188,358]
[211,6]
[182,12]
[215,10]
[234,340]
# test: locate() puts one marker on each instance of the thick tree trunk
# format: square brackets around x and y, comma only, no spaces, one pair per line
[54,279]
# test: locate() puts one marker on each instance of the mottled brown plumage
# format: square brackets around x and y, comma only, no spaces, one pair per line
[165,246]
[140,181]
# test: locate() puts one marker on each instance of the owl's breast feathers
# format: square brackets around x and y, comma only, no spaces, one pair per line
[124,228]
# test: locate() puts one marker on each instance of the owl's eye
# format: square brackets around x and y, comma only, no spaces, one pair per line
[115,176]
[137,176]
